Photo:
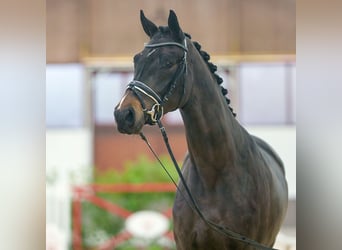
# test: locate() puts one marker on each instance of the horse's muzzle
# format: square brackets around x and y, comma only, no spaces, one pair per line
[125,120]
[129,119]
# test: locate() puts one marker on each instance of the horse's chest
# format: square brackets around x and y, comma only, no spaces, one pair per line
[191,232]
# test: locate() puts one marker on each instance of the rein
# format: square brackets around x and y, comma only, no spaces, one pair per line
[154,116]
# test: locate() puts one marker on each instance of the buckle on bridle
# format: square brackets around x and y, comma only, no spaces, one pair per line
[156,113]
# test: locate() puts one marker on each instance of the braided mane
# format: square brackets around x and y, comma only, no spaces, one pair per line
[213,69]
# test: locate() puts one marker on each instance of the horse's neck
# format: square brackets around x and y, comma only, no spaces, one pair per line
[211,130]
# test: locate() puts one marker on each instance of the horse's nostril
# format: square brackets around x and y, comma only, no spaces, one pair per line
[125,118]
[129,117]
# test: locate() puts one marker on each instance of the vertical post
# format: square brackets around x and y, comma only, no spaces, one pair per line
[88,107]
[77,221]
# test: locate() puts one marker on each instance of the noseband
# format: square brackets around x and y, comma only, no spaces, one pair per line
[140,88]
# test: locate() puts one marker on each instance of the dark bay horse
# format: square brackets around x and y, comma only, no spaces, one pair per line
[236,178]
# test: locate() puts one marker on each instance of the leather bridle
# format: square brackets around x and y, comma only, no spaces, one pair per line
[140,88]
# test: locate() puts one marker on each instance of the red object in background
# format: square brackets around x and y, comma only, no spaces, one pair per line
[110,146]
[88,193]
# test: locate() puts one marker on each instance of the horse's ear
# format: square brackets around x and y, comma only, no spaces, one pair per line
[174,26]
[149,27]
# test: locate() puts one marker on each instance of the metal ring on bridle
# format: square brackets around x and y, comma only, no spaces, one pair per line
[156,112]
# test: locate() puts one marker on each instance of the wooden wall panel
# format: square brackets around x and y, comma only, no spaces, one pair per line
[108,28]
[267,26]
[116,28]
[257,26]
[63,36]
[286,28]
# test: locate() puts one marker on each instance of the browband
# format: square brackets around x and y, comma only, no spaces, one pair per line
[166,44]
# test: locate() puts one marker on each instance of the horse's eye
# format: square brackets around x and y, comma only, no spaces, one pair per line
[168,64]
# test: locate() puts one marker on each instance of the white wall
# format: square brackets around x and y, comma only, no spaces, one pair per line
[283,141]
[69,149]
[68,162]
[65,87]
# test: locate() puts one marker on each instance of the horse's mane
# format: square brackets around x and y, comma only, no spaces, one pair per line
[213,69]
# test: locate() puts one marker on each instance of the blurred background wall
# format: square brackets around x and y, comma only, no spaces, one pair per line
[89,49]
[88,28]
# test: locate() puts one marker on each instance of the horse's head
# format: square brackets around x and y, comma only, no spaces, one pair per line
[158,85]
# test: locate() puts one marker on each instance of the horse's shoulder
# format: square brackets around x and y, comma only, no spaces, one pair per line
[269,150]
